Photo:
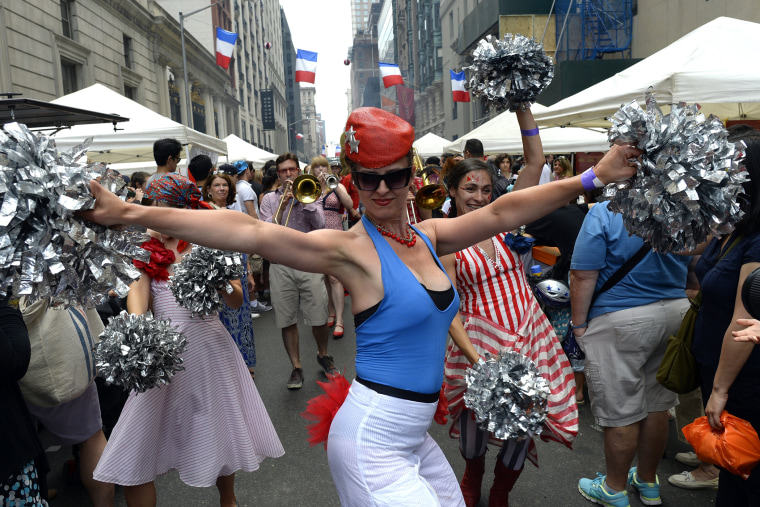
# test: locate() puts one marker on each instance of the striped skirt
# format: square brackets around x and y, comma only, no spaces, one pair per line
[535,339]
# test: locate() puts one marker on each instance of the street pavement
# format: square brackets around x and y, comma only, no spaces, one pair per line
[302,477]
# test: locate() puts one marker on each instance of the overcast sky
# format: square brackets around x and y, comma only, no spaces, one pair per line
[324,26]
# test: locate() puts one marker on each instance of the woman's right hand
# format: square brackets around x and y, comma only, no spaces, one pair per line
[109,209]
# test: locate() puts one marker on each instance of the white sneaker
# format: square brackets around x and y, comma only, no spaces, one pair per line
[686,480]
[259,306]
[255,315]
[688,459]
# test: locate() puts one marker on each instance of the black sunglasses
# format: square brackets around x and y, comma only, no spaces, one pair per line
[393,179]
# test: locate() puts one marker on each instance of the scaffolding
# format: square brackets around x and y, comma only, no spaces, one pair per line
[589,29]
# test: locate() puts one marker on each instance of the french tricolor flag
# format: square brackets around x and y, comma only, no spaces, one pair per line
[225,45]
[391,74]
[324,150]
[457,87]
[306,66]
[337,150]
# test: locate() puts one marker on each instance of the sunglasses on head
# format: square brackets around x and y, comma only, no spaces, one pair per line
[398,178]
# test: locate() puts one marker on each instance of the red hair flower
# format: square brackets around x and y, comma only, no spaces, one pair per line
[160,259]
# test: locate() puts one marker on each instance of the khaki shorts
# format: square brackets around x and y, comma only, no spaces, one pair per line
[293,290]
[623,350]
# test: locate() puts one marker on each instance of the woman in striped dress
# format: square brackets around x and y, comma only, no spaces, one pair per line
[500,314]
[209,421]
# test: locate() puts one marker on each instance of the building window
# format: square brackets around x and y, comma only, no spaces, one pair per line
[69,77]
[127,51]
[130,92]
[67,29]
[454,111]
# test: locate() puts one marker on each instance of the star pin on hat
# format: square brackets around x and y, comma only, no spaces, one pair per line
[375,138]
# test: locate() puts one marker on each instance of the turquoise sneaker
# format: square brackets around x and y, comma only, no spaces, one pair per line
[649,492]
[595,491]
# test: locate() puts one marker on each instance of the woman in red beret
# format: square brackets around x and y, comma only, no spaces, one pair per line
[403,302]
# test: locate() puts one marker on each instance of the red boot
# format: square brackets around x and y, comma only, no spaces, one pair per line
[472,480]
[504,480]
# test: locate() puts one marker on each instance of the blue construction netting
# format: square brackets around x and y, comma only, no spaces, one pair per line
[589,29]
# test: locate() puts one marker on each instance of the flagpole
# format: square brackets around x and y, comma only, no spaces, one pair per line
[188,102]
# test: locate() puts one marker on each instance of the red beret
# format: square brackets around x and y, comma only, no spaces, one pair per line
[376,138]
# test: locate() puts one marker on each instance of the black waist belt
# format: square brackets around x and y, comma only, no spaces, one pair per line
[395,392]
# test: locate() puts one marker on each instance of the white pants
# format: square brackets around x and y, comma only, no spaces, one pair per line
[380,453]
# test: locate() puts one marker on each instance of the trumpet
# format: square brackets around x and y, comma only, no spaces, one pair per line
[331,181]
[306,189]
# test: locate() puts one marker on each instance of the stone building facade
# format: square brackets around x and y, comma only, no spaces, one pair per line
[49,48]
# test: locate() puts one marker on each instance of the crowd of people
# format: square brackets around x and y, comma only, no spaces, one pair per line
[415,276]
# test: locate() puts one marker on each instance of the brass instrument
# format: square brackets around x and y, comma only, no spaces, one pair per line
[434,193]
[285,189]
[331,181]
[306,189]
[411,212]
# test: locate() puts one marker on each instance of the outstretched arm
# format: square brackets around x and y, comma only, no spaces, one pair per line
[229,230]
[518,208]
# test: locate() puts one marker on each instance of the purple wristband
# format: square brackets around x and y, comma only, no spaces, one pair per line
[590,181]
[530,132]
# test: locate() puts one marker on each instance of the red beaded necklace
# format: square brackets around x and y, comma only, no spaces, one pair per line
[408,241]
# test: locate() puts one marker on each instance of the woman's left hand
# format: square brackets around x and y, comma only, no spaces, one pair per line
[749,334]
[715,406]
[615,165]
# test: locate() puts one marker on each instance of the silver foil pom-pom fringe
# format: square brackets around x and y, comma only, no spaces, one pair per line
[688,180]
[200,275]
[508,395]
[139,352]
[45,250]
[509,73]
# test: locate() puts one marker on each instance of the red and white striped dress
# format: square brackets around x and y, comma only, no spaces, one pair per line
[500,313]
[208,422]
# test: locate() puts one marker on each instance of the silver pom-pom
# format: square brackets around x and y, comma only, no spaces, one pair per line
[509,73]
[508,395]
[45,250]
[688,181]
[200,275]
[139,352]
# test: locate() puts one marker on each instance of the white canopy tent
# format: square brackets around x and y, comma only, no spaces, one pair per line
[430,145]
[238,149]
[133,142]
[502,135]
[712,65]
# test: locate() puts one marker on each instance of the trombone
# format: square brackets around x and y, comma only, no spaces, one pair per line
[306,190]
